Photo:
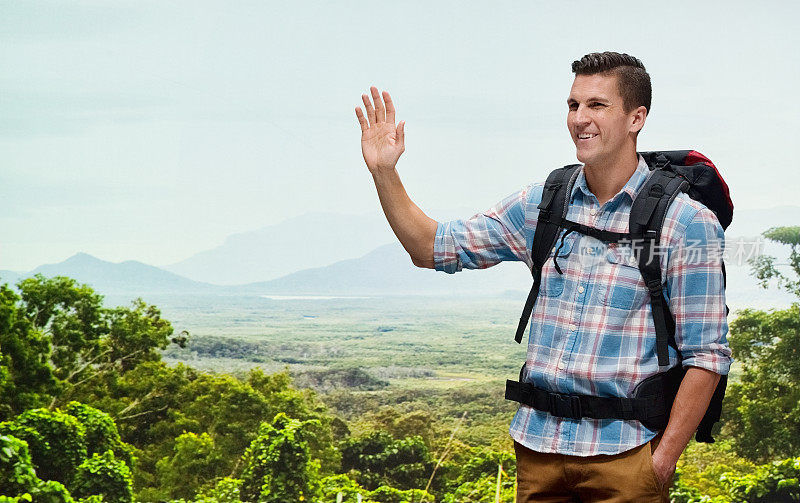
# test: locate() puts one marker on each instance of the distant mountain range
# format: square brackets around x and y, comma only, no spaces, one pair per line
[129,277]
[388,271]
[307,241]
[385,270]
[310,240]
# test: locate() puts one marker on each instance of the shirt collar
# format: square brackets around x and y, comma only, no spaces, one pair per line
[632,186]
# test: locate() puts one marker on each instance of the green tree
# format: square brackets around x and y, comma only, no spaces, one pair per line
[764,266]
[194,462]
[69,314]
[101,432]
[26,377]
[104,475]
[16,468]
[226,490]
[378,459]
[762,411]
[57,442]
[57,340]
[153,404]
[278,465]
[777,482]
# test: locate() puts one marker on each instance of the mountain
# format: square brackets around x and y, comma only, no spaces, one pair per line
[310,240]
[129,277]
[388,270]
[307,241]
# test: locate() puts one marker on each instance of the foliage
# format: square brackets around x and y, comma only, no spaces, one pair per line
[377,459]
[103,474]
[226,490]
[777,482]
[16,468]
[334,484]
[18,480]
[331,378]
[194,462]
[278,466]
[71,315]
[57,442]
[350,490]
[154,404]
[701,466]
[764,266]
[481,490]
[26,377]
[400,423]
[101,432]
[386,494]
[57,339]
[763,409]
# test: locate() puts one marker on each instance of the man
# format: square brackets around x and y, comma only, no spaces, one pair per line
[591,331]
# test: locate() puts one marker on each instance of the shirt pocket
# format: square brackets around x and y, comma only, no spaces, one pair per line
[625,287]
[553,282]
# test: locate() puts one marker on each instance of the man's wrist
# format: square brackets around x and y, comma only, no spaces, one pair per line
[383,175]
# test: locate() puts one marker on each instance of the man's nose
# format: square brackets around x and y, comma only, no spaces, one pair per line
[581,117]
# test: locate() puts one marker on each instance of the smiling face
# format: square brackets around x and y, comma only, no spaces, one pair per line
[603,132]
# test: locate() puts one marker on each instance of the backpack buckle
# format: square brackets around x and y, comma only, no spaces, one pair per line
[654,285]
[565,406]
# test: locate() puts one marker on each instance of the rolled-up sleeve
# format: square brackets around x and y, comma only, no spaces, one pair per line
[484,239]
[697,294]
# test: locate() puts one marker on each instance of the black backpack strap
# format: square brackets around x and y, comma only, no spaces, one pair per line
[647,217]
[552,207]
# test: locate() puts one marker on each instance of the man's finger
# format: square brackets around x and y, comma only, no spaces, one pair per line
[362,121]
[401,134]
[389,107]
[380,112]
[370,109]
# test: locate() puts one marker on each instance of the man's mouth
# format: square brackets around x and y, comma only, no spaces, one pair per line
[586,136]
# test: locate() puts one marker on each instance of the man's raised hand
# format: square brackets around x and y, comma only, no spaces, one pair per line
[381,142]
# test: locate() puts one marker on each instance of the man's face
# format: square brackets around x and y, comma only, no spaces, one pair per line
[597,121]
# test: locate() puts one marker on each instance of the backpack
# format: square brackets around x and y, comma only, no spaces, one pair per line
[672,172]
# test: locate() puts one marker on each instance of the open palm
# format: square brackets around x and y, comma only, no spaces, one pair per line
[381,142]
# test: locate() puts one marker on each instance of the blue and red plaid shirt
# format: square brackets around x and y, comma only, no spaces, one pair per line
[592,331]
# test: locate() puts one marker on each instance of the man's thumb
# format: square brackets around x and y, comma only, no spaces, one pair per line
[401,133]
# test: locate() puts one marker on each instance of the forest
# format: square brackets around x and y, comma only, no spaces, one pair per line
[93,408]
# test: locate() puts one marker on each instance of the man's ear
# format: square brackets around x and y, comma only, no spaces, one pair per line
[639,117]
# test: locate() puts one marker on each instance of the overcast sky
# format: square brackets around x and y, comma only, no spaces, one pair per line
[151,130]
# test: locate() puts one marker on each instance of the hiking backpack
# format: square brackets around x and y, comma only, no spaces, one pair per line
[671,172]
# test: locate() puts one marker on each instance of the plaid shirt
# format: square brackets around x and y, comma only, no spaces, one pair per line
[591,330]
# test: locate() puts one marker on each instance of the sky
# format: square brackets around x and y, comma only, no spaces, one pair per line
[152,130]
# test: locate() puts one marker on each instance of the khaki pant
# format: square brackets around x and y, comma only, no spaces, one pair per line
[625,477]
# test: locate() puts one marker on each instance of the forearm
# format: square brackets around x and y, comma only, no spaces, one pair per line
[415,230]
[690,406]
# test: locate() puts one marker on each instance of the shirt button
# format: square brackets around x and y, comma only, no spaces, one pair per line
[590,251]
[632,260]
[561,365]
[581,289]
[573,327]
[593,212]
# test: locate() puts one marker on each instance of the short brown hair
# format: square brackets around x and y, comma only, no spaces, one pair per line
[632,78]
